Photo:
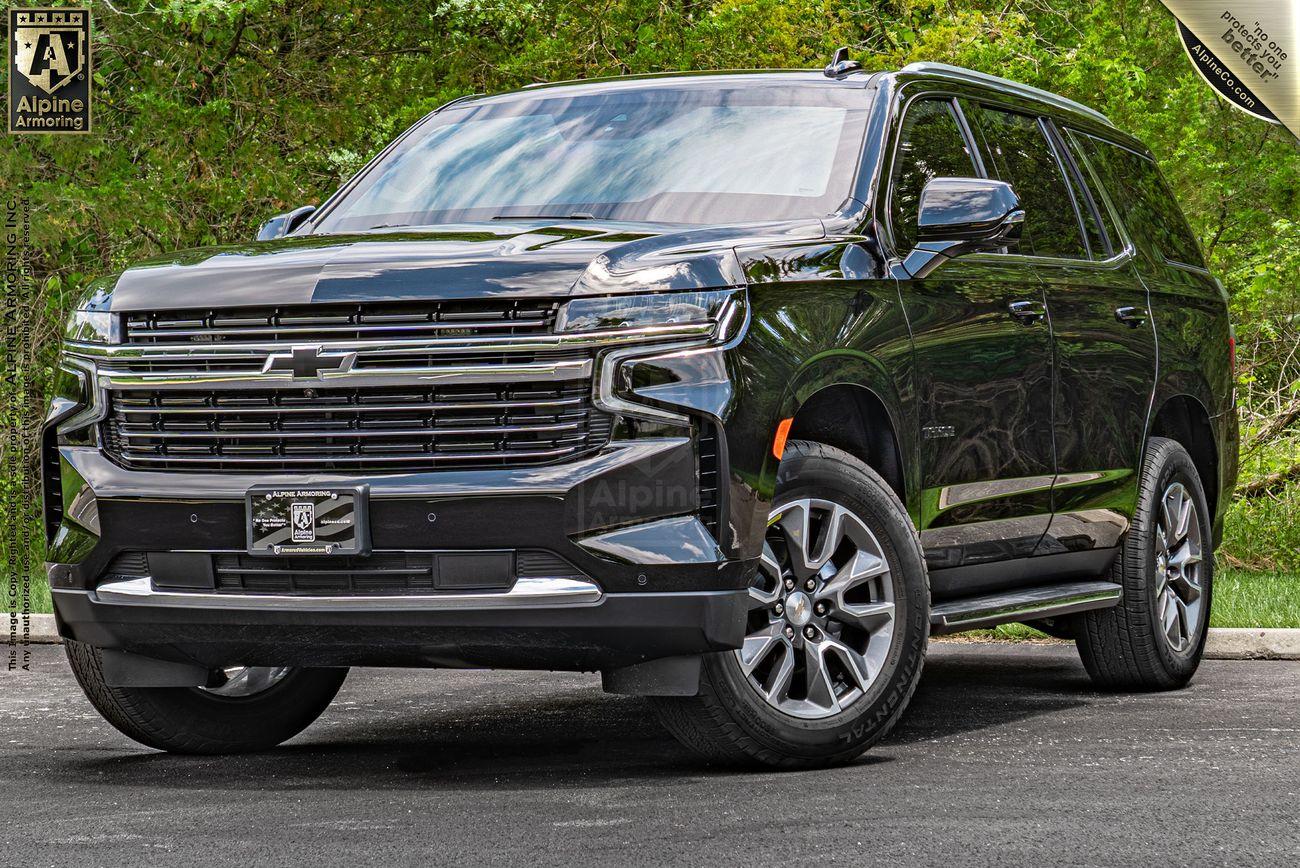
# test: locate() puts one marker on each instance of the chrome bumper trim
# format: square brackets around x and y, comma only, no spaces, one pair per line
[526,593]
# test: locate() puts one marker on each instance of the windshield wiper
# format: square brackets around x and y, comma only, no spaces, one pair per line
[577,215]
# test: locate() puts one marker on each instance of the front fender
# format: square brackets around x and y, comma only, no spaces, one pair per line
[802,338]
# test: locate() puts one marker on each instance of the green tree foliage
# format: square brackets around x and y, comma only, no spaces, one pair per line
[211,115]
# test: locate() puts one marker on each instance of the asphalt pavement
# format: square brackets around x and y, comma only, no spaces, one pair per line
[1006,756]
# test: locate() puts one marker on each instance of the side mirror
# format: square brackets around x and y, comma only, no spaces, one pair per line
[282,224]
[963,215]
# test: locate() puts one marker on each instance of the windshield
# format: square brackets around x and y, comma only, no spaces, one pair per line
[690,155]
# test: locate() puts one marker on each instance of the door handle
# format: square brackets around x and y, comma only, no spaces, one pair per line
[1131,316]
[1027,312]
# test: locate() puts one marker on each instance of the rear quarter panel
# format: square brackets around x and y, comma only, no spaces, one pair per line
[1192,326]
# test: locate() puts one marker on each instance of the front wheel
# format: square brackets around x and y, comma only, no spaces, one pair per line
[1154,639]
[837,627]
[247,708]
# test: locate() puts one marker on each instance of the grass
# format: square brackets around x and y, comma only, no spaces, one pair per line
[1253,599]
[39,592]
[1261,533]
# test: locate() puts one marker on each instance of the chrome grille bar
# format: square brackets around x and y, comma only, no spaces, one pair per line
[224,434]
[456,345]
[525,372]
[356,320]
[218,409]
[197,463]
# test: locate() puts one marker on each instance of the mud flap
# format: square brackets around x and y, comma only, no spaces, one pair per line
[124,669]
[669,676]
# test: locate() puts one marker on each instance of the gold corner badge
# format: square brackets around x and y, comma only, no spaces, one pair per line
[49,70]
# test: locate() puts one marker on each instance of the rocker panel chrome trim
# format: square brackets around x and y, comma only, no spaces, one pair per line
[1043,602]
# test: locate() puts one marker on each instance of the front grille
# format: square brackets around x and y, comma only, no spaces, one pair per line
[343,322]
[351,388]
[132,564]
[377,573]
[385,572]
[405,428]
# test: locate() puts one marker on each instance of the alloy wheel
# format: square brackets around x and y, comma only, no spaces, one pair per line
[1179,558]
[822,611]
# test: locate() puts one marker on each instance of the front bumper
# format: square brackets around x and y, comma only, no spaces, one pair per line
[649,580]
[612,631]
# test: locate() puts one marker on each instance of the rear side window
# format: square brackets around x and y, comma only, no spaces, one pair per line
[1087,204]
[1141,195]
[930,145]
[1024,159]
[1091,189]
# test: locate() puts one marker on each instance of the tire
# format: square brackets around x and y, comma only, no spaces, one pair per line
[192,720]
[1129,647]
[754,708]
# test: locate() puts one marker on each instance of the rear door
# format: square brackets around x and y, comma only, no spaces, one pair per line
[1106,369]
[1103,338]
[983,375]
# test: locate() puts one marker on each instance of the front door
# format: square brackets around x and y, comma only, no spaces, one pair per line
[983,375]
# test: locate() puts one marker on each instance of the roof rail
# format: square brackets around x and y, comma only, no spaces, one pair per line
[959,73]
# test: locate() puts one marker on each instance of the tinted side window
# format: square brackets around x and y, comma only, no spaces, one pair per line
[1091,189]
[930,145]
[1025,160]
[1141,195]
[1084,202]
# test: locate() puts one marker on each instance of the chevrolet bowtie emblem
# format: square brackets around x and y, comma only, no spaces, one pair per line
[309,362]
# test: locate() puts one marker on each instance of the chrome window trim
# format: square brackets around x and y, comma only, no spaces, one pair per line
[1113,262]
[1186,266]
[526,593]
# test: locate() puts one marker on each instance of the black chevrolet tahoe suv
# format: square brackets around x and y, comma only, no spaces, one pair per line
[735,388]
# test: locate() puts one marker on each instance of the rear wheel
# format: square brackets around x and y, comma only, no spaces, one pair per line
[1154,639]
[247,708]
[837,626]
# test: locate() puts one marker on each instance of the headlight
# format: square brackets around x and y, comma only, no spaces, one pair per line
[640,311]
[91,327]
[92,322]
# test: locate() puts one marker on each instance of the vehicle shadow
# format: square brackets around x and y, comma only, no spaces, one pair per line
[573,735]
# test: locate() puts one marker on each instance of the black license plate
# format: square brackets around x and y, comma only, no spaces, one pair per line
[325,520]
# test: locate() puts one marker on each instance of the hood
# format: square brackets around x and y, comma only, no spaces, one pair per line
[499,259]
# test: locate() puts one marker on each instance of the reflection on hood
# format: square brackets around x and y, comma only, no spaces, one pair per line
[516,259]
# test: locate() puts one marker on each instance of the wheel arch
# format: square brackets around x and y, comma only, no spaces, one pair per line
[852,405]
[1184,418]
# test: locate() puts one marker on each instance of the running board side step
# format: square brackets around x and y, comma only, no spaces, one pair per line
[1048,601]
